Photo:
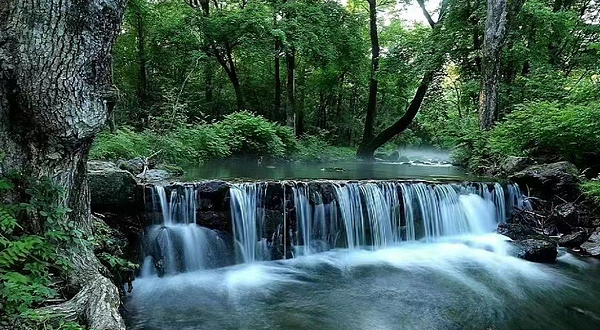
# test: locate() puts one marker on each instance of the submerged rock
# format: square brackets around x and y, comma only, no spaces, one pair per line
[560,179]
[110,187]
[574,239]
[592,245]
[537,250]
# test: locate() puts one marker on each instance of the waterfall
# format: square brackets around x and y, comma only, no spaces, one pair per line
[380,214]
[312,227]
[328,215]
[247,212]
[178,244]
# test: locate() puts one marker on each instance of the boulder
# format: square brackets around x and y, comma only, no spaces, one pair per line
[592,245]
[565,216]
[155,175]
[560,179]
[134,166]
[537,250]
[513,164]
[404,159]
[110,188]
[574,239]
[515,231]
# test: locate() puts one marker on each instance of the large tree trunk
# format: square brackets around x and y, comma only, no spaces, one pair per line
[290,106]
[142,60]
[55,85]
[367,151]
[372,103]
[277,80]
[499,15]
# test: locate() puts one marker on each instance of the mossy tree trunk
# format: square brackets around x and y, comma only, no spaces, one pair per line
[55,93]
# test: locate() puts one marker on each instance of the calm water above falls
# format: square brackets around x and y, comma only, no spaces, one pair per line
[330,170]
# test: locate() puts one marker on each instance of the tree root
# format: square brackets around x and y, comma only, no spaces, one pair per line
[96,303]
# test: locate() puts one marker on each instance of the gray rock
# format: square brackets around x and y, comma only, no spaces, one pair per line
[404,159]
[565,216]
[110,187]
[134,166]
[592,245]
[574,239]
[537,250]
[515,231]
[560,179]
[155,175]
[514,164]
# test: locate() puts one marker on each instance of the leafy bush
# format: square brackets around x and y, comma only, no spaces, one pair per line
[545,130]
[549,130]
[592,190]
[248,134]
[238,134]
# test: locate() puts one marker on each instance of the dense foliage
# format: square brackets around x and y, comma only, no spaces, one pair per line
[185,73]
[32,255]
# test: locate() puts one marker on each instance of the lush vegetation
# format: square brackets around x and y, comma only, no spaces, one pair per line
[239,134]
[32,256]
[191,76]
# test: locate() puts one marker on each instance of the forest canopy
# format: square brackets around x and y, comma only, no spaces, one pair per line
[349,73]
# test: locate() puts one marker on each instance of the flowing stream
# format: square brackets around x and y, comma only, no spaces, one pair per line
[366,255]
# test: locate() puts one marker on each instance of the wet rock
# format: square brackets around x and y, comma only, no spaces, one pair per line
[560,179]
[592,245]
[565,216]
[574,239]
[537,250]
[514,164]
[220,220]
[134,166]
[515,231]
[111,188]
[155,175]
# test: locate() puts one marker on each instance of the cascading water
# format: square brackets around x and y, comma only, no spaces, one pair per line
[459,275]
[178,244]
[247,212]
[373,214]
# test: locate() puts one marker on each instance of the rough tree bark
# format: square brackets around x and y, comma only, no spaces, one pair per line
[499,15]
[372,102]
[55,85]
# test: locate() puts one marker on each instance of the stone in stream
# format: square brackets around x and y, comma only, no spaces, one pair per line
[537,250]
[528,244]
[574,239]
[592,245]
[515,231]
